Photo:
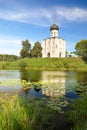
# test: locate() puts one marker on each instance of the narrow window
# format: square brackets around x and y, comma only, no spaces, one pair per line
[60,54]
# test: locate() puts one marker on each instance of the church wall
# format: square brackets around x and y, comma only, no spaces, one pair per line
[54,46]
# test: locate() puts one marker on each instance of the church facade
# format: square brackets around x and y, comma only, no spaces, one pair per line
[53,46]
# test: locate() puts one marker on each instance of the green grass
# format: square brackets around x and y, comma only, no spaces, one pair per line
[3,64]
[48,64]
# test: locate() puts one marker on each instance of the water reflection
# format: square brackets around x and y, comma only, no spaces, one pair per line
[57,81]
[53,76]
[54,90]
[82,77]
[9,74]
[48,76]
[45,76]
[30,75]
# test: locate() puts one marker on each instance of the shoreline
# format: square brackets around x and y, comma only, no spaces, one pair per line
[49,64]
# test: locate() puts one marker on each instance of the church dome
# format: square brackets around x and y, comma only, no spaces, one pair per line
[54,27]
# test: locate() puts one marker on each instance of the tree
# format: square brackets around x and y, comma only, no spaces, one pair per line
[81,48]
[7,57]
[25,51]
[67,53]
[36,51]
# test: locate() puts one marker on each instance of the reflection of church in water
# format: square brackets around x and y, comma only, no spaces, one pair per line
[56,83]
[53,46]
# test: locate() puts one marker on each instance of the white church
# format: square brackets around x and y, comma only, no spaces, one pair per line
[53,46]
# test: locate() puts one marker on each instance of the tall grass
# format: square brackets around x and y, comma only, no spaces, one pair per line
[3,64]
[25,115]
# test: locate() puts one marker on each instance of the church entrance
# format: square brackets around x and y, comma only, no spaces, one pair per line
[48,55]
[60,54]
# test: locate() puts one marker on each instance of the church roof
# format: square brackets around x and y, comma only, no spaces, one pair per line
[54,27]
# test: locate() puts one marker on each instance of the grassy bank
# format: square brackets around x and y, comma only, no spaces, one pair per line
[47,64]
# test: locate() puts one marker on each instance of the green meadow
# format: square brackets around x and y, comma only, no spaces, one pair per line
[46,64]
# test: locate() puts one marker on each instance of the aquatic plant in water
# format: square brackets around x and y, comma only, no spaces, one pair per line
[25,85]
[56,95]
[81,89]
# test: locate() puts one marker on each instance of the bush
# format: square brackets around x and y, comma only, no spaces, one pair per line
[22,64]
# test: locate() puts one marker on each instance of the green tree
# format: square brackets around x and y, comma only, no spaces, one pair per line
[81,48]
[7,57]
[25,51]
[36,51]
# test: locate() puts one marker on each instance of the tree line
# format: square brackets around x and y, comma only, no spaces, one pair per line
[26,52]
[6,57]
[36,51]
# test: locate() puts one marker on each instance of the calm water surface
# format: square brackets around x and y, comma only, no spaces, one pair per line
[60,81]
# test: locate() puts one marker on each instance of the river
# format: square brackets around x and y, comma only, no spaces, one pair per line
[61,82]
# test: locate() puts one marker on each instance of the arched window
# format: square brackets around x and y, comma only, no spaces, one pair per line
[48,55]
[60,54]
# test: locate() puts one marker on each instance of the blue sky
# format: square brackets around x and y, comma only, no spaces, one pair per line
[31,19]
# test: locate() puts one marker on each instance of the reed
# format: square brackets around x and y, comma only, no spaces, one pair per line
[22,114]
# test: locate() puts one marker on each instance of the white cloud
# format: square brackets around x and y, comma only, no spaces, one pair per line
[70,46]
[9,51]
[9,42]
[10,45]
[72,14]
[38,16]
[44,16]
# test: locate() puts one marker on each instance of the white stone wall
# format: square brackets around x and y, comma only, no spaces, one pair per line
[53,47]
